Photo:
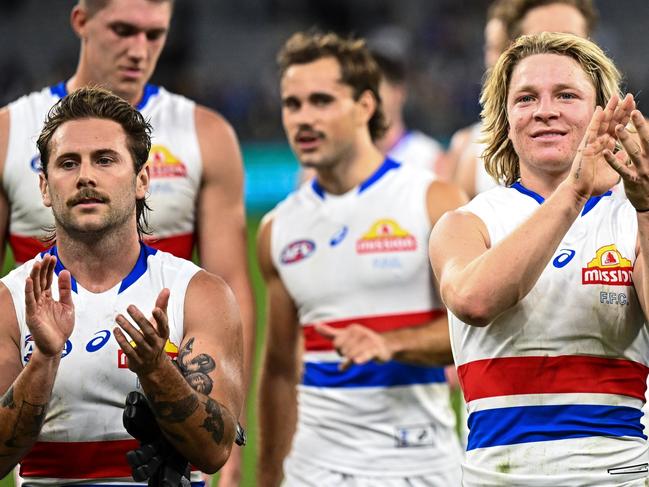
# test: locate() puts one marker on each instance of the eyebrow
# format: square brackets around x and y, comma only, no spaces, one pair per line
[94,154]
[557,87]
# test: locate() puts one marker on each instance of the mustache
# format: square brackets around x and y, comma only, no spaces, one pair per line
[87,194]
[307,131]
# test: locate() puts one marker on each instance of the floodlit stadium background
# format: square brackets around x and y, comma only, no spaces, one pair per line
[221,53]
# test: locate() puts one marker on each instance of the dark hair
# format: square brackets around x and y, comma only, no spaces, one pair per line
[357,66]
[518,9]
[392,68]
[94,6]
[99,103]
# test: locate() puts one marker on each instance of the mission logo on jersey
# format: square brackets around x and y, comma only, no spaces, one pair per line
[608,267]
[386,235]
[163,164]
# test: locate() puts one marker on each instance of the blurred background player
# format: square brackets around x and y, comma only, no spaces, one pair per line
[195,162]
[513,18]
[344,259]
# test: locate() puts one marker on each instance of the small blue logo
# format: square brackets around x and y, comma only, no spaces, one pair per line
[563,258]
[339,236]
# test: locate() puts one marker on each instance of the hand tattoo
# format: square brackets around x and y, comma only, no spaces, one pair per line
[196,370]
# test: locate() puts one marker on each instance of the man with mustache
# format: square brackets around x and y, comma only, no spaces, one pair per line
[344,260]
[101,314]
[195,162]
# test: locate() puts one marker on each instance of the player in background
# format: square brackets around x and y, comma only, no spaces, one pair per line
[354,319]
[196,190]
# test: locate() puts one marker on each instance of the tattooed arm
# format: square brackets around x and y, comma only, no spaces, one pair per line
[198,401]
[27,391]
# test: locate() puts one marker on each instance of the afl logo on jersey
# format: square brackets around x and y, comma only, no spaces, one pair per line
[608,267]
[28,348]
[297,251]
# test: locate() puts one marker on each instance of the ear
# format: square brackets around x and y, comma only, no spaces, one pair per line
[142,183]
[366,106]
[78,21]
[45,191]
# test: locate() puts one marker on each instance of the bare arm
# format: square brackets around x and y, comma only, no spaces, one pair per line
[27,391]
[466,171]
[459,142]
[221,220]
[198,402]
[277,401]
[5,123]
[465,261]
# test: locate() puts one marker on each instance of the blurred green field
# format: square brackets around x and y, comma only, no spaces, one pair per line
[250,451]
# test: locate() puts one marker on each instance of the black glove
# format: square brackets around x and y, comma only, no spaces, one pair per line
[156,459]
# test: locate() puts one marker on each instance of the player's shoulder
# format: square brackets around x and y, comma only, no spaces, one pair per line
[42,99]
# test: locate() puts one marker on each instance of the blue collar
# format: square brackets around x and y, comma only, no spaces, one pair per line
[590,204]
[388,165]
[138,269]
[61,91]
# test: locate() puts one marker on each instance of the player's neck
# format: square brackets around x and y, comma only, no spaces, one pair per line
[98,264]
[541,182]
[350,172]
[82,78]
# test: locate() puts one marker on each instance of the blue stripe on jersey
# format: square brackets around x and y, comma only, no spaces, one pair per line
[149,91]
[526,424]
[372,374]
[388,165]
[590,204]
[139,268]
[59,89]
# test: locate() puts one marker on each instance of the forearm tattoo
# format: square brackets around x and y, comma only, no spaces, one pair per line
[28,423]
[8,399]
[174,411]
[196,370]
[214,423]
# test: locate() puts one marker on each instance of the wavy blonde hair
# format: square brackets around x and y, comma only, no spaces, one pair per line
[500,158]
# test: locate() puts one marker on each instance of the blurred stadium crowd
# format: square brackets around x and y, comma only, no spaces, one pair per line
[221,53]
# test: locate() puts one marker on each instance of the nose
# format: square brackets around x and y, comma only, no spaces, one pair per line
[86,176]
[137,48]
[545,110]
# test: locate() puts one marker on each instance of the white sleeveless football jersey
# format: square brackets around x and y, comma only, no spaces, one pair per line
[361,257]
[82,439]
[174,161]
[417,149]
[555,385]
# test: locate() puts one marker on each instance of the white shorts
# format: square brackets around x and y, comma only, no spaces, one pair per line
[302,474]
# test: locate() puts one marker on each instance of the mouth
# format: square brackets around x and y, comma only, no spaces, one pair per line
[308,141]
[87,201]
[548,134]
[131,72]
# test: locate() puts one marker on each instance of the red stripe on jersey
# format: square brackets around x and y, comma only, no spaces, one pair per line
[78,460]
[510,376]
[179,245]
[26,248]
[314,342]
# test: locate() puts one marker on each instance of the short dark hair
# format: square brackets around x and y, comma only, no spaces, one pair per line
[87,103]
[357,66]
[94,6]
[519,8]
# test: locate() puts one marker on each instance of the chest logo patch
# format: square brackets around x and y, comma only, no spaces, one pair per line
[163,164]
[297,251]
[386,235]
[608,267]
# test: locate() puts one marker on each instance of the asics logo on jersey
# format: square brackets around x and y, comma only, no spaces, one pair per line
[339,236]
[565,256]
[297,251]
[608,267]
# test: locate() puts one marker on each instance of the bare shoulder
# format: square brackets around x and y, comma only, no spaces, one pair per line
[459,225]
[442,197]
[219,147]
[10,363]
[209,288]
[5,122]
